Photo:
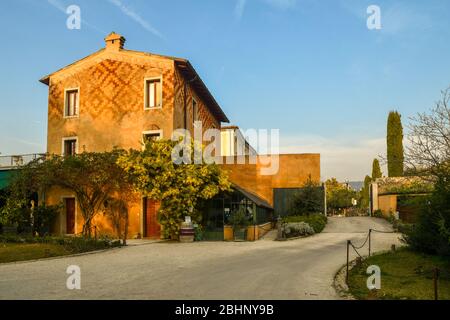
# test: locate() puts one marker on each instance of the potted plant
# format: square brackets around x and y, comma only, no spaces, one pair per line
[239,222]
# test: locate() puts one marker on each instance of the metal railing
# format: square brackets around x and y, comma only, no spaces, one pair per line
[12,161]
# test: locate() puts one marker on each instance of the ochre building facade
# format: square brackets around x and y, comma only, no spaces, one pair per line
[117,98]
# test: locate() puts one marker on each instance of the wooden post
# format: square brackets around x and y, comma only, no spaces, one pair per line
[435,279]
[346,275]
[370,240]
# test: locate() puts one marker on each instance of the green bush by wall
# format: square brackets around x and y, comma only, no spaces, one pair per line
[316,221]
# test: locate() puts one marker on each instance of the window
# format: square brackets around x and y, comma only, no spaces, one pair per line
[151,135]
[194,110]
[153,93]
[72,103]
[69,146]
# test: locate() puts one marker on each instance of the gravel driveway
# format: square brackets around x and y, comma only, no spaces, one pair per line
[297,269]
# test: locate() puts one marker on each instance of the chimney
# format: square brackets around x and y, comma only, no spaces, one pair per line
[114,41]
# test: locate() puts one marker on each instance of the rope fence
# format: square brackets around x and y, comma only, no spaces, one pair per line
[436,273]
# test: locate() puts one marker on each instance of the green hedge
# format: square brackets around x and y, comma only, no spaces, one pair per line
[316,221]
[72,244]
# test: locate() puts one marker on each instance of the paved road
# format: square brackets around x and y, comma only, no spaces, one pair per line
[297,269]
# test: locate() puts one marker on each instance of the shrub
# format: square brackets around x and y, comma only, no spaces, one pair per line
[404,228]
[43,218]
[79,244]
[391,218]
[431,231]
[198,235]
[17,216]
[316,221]
[377,213]
[308,200]
[239,219]
[297,229]
[72,244]
[179,187]
[429,234]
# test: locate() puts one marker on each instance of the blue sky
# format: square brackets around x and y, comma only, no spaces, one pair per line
[309,68]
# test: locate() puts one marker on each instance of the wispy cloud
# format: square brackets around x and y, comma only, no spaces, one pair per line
[58,5]
[239,8]
[62,7]
[137,18]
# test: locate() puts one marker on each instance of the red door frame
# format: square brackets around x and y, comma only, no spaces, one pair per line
[70,215]
[152,228]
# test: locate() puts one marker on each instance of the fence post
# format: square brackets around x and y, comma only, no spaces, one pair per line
[370,240]
[435,278]
[346,275]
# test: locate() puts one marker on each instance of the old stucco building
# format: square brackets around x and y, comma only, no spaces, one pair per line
[117,98]
[402,195]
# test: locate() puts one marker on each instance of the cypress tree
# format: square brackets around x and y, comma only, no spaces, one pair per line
[365,192]
[394,141]
[376,170]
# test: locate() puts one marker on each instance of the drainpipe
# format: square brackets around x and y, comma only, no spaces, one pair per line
[185,107]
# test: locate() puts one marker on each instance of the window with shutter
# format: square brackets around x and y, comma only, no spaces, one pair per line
[72,103]
[153,93]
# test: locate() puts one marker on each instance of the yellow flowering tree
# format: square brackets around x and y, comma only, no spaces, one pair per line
[178,187]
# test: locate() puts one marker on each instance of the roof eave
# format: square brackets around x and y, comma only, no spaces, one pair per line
[212,103]
[45,80]
[252,196]
[200,85]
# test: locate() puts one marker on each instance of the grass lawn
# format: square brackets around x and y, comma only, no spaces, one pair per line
[404,275]
[10,252]
[17,248]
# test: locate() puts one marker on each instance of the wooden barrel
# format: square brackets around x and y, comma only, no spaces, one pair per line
[187,232]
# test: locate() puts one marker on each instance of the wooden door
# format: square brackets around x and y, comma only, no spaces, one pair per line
[408,212]
[70,215]
[152,228]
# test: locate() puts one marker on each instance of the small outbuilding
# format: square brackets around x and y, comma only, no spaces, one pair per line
[218,213]
[401,195]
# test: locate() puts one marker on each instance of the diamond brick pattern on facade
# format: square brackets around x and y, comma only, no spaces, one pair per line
[109,87]
[111,101]
[208,121]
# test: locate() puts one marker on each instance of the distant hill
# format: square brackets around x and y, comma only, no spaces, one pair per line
[356,185]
